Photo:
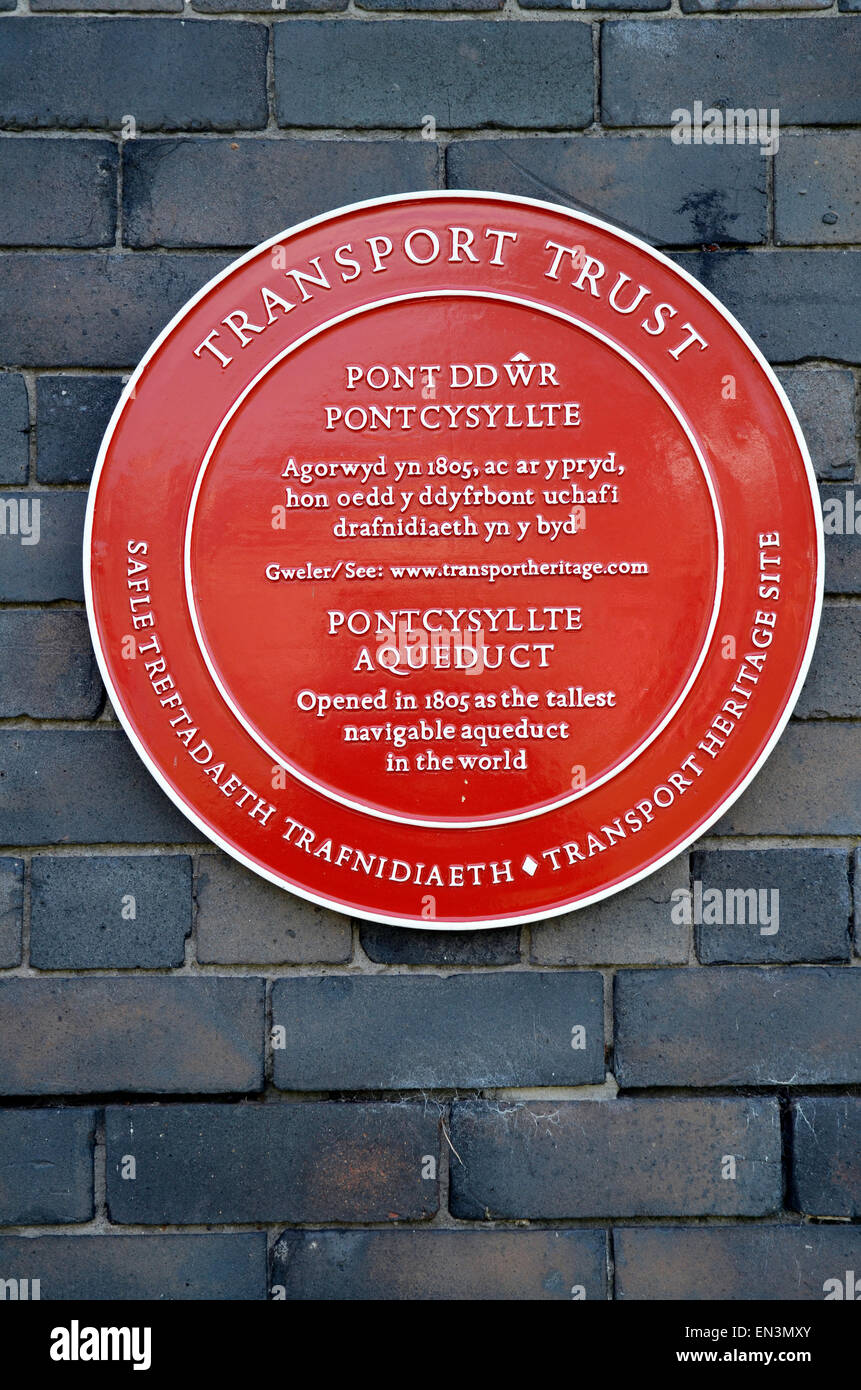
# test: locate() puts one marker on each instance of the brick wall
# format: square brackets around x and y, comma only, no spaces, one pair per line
[427,1129]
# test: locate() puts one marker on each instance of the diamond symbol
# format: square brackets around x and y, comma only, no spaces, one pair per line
[529,865]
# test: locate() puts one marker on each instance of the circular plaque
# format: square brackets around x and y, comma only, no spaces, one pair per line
[453,560]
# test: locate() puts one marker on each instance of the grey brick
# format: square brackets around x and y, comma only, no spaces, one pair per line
[810,785]
[14,429]
[614,1158]
[76,787]
[49,670]
[452,6]
[813,905]
[123,1034]
[265,6]
[239,192]
[79,911]
[804,70]
[407,1031]
[64,192]
[856,885]
[634,927]
[405,946]
[422,1265]
[11,909]
[91,309]
[595,5]
[107,6]
[117,1268]
[196,76]
[826,1156]
[242,918]
[317,1161]
[833,685]
[46,1166]
[708,194]
[794,304]
[72,414]
[841,508]
[824,401]
[816,197]
[785,1263]
[726,6]
[41,535]
[738,1025]
[536,76]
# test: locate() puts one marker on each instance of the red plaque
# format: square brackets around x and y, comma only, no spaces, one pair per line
[453,560]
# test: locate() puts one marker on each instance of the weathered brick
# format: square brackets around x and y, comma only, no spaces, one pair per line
[91,309]
[615,1158]
[824,401]
[812,905]
[407,1031]
[46,1166]
[72,414]
[841,509]
[833,685]
[81,905]
[816,183]
[469,74]
[317,1161]
[634,927]
[738,1025]
[647,70]
[115,1267]
[433,1264]
[195,76]
[724,6]
[595,5]
[826,1156]
[243,919]
[810,785]
[239,192]
[41,535]
[65,192]
[708,194]
[77,787]
[856,884]
[794,304]
[49,670]
[11,909]
[125,1034]
[14,429]
[405,946]
[265,6]
[452,6]
[785,1263]
[107,6]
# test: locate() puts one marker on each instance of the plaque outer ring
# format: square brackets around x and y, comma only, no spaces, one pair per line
[470,923]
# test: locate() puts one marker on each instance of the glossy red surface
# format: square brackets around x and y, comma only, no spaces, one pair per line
[469,557]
